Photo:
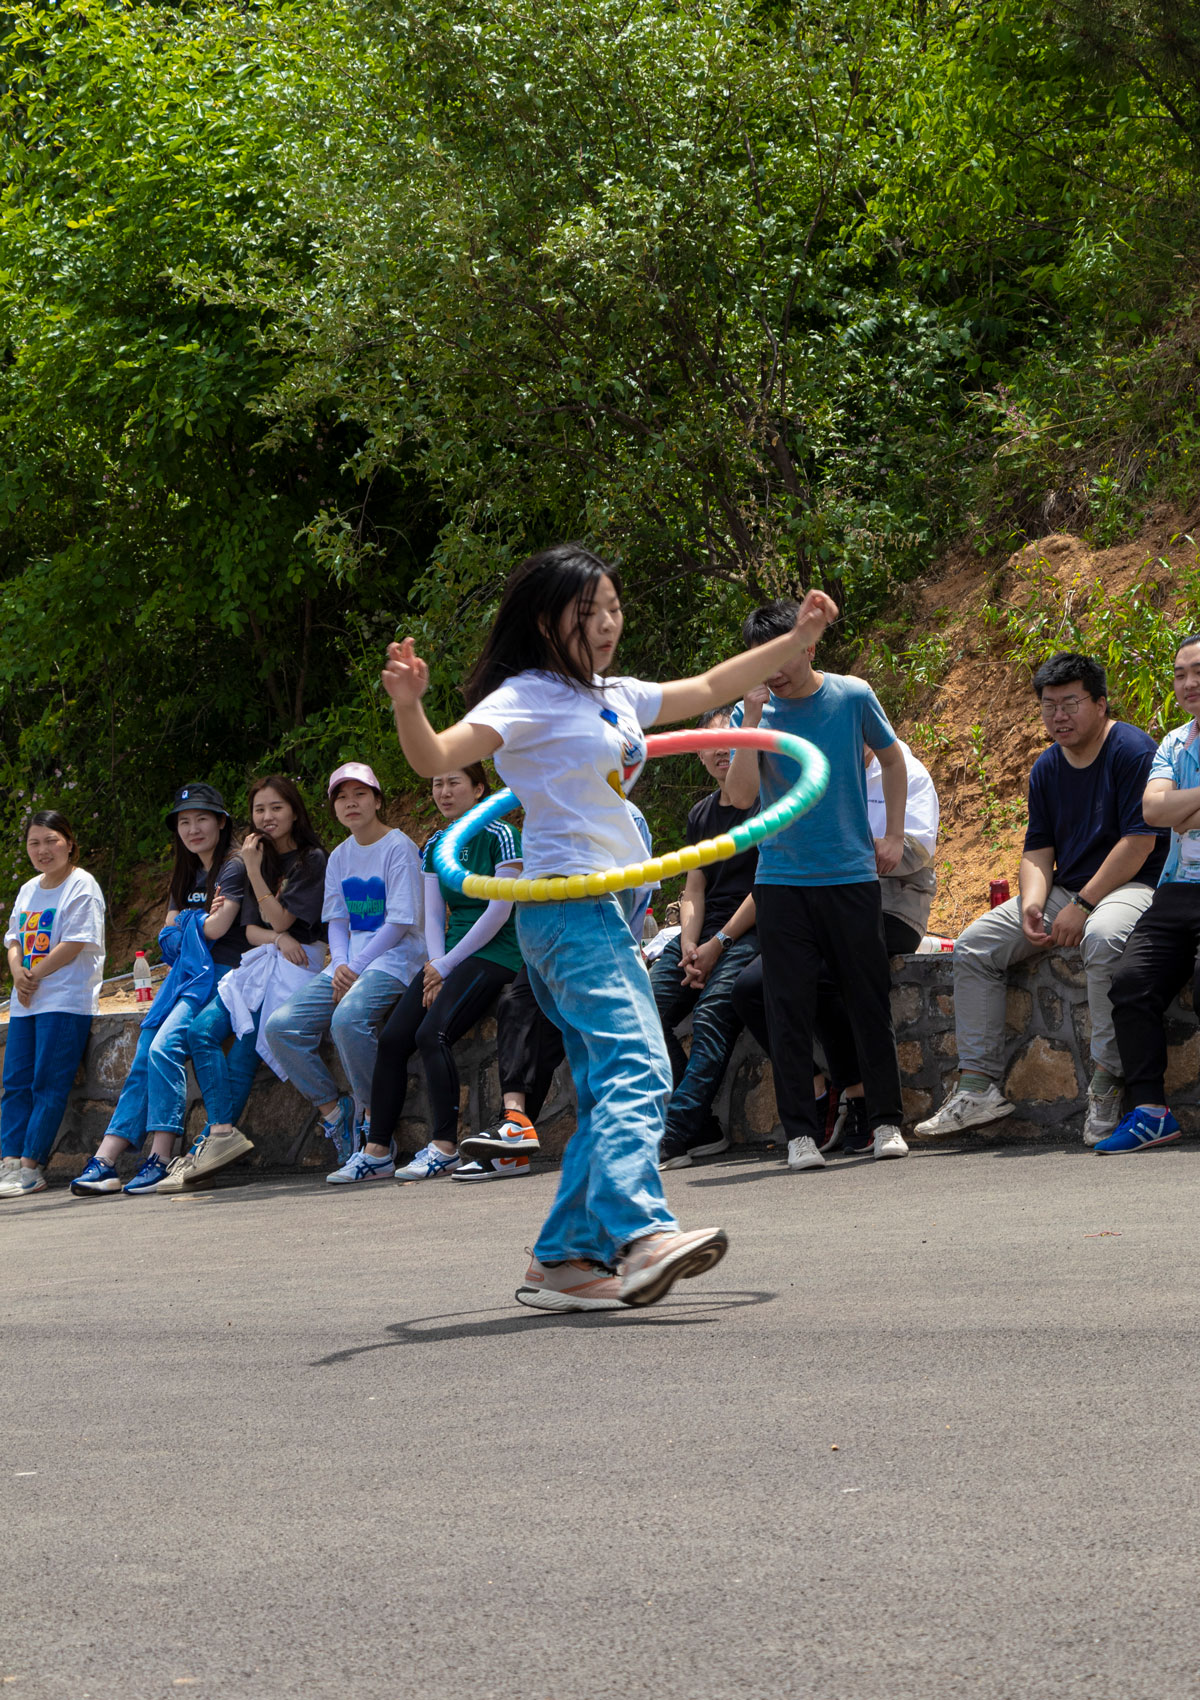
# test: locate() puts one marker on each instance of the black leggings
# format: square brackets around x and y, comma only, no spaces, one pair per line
[529,1047]
[467,994]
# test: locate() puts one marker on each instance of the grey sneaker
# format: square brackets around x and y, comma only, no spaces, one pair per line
[965,1109]
[179,1173]
[9,1166]
[889,1142]
[20,1182]
[803,1154]
[1103,1114]
[216,1150]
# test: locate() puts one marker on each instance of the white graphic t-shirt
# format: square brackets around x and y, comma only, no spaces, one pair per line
[572,755]
[69,913]
[368,884]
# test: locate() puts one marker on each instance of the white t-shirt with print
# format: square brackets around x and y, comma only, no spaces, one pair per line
[65,914]
[572,754]
[368,884]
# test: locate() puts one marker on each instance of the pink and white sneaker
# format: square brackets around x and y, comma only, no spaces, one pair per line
[653,1264]
[569,1286]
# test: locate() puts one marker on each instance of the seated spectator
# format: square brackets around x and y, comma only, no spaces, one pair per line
[695,973]
[373,906]
[154,1097]
[1088,872]
[55,941]
[473,954]
[1163,952]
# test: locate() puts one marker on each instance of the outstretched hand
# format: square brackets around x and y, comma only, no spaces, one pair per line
[816,612]
[405,675]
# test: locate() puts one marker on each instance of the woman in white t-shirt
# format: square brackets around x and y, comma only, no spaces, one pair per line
[570,744]
[373,905]
[55,942]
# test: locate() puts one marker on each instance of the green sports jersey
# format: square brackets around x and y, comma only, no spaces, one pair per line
[498,843]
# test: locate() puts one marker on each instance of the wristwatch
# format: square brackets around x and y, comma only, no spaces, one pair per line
[723,939]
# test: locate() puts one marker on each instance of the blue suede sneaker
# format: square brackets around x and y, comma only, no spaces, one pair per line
[1140,1130]
[428,1164]
[96,1179]
[148,1176]
[340,1130]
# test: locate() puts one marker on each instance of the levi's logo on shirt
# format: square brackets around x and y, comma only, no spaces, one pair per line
[632,753]
[35,928]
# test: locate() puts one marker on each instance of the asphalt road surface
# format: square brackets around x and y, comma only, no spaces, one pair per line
[931,1429]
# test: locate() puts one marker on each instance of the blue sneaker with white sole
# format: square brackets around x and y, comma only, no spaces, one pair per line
[147,1178]
[340,1130]
[1139,1131]
[97,1179]
[428,1164]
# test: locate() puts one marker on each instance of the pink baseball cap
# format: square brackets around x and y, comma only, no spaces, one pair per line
[354,770]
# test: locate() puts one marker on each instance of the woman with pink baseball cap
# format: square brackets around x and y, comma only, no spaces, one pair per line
[373,907]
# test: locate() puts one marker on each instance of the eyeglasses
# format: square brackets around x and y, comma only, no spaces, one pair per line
[1068,705]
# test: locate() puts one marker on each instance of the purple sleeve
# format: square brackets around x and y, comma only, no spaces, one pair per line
[383,938]
[339,940]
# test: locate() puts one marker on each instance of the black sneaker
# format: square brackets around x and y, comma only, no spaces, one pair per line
[677,1150]
[856,1134]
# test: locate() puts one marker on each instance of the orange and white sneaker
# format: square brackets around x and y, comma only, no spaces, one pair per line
[515,1136]
[569,1286]
[653,1264]
[492,1169]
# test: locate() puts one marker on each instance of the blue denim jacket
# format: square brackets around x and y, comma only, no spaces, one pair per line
[192,975]
[1177,759]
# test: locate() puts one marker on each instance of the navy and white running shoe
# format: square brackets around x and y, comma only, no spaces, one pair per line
[428,1164]
[360,1167]
[97,1179]
[147,1178]
[1140,1130]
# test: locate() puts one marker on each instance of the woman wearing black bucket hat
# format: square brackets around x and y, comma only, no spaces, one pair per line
[154,1097]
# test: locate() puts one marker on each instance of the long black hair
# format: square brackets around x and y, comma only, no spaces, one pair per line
[527,633]
[188,866]
[303,831]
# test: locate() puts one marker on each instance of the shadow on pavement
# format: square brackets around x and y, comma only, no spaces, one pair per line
[418,1332]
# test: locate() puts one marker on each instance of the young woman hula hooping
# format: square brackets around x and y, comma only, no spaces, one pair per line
[570,743]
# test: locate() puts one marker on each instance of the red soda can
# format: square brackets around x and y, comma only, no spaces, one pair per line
[998,893]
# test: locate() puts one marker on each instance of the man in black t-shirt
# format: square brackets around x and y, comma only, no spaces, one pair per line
[696,972]
[1088,872]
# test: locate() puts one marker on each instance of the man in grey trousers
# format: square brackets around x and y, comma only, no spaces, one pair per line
[1088,871]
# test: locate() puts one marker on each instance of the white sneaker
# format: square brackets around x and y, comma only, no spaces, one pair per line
[9,1166]
[1103,1114]
[965,1109]
[803,1154]
[360,1167]
[889,1142]
[428,1164]
[20,1182]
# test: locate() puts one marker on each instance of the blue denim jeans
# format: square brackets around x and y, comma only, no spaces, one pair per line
[40,1059]
[154,1096]
[224,1078]
[588,976]
[715,1027]
[295,1030]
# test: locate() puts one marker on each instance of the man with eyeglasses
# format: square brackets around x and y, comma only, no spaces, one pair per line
[1088,872]
[1163,952]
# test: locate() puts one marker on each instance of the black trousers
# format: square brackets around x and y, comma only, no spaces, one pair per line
[529,1047]
[467,994]
[1161,955]
[834,932]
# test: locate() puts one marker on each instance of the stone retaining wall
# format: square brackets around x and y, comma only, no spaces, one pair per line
[1046,1072]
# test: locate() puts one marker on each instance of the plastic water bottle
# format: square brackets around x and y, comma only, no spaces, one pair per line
[143,990]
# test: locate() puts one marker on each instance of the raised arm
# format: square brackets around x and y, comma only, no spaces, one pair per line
[406,679]
[682,699]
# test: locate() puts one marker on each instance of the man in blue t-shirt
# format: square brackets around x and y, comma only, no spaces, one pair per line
[1088,871]
[816,892]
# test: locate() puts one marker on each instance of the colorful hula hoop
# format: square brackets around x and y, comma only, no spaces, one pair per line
[808,789]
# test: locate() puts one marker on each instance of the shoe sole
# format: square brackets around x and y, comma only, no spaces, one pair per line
[882,1156]
[805,1163]
[479,1145]
[491,1175]
[356,1180]
[25,1191]
[713,1149]
[105,1189]
[1146,1145]
[683,1161]
[440,1176]
[924,1131]
[683,1267]
[539,1298]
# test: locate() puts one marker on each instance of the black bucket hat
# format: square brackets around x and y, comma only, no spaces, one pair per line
[205,797]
